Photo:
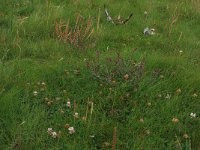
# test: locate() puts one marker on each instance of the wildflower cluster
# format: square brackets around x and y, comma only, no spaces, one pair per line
[52,133]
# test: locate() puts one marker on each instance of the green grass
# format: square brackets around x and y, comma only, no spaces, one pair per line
[30,53]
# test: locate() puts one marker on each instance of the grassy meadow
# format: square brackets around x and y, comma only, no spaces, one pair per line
[115,88]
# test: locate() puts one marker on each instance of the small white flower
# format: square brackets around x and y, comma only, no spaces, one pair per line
[180,51]
[194,95]
[35,93]
[68,104]
[149,104]
[145,12]
[148,132]
[54,134]
[71,130]
[168,96]
[49,130]
[152,31]
[43,84]
[76,115]
[193,115]
[175,120]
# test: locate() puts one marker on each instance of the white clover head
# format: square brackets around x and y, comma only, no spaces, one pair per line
[71,130]
[49,130]
[54,134]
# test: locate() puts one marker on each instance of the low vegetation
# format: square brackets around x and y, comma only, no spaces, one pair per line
[72,79]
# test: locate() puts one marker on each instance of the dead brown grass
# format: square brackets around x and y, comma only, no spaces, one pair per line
[173,20]
[77,36]
[114,138]
[196,4]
